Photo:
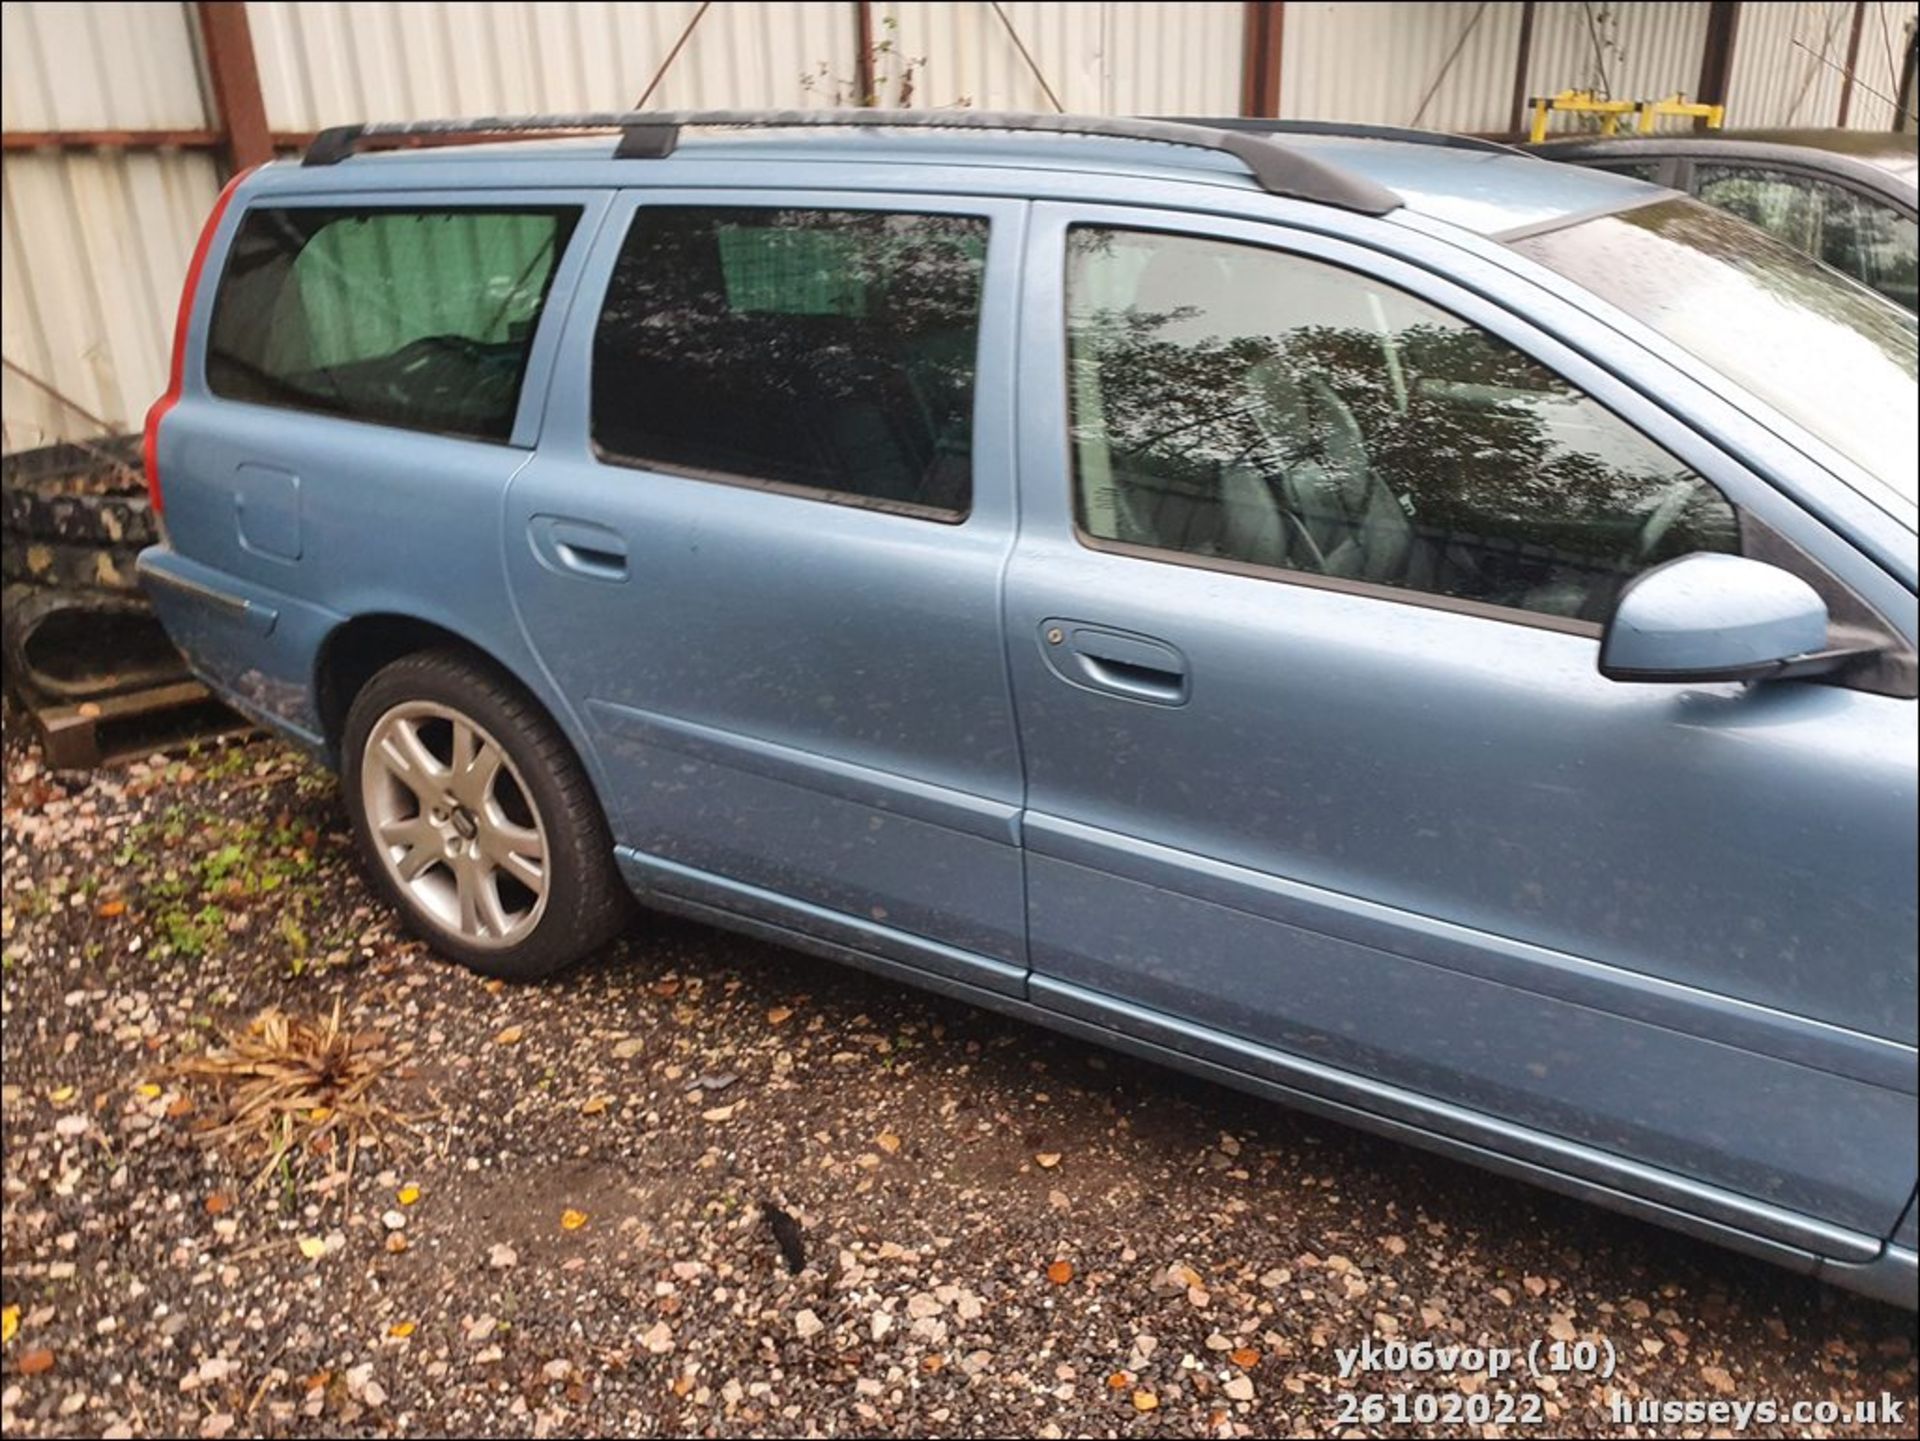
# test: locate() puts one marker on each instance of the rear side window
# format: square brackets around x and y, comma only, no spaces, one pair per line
[826,352]
[415,318]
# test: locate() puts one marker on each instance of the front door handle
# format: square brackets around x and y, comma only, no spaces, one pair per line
[1120,663]
[579,547]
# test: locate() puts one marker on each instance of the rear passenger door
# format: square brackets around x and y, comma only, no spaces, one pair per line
[760,549]
[1324,782]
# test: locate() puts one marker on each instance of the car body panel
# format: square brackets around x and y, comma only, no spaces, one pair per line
[771,702]
[1448,913]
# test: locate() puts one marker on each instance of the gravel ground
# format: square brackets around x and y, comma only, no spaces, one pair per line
[1001,1231]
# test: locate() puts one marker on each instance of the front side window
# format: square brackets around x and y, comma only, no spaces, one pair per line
[415,318]
[1233,403]
[828,352]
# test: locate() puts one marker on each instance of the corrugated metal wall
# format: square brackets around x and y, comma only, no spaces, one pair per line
[1789,64]
[1627,51]
[95,243]
[328,63]
[1103,58]
[1441,66]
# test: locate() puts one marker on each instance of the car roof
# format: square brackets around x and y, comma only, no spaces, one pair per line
[1487,191]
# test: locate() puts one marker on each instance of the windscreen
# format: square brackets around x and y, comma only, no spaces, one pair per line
[1826,353]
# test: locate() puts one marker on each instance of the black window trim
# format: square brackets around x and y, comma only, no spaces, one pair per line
[864,203]
[853,500]
[364,202]
[1369,589]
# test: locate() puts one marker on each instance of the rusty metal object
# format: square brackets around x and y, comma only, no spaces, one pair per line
[84,653]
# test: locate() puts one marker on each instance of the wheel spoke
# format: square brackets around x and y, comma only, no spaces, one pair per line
[421,842]
[409,761]
[475,769]
[467,883]
[493,915]
[517,850]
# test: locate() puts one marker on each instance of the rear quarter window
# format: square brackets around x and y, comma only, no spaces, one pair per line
[420,318]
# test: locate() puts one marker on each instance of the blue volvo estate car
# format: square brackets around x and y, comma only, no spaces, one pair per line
[1398,626]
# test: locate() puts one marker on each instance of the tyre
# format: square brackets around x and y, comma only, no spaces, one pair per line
[475,819]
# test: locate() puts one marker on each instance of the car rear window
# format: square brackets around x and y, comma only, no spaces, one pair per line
[421,318]
[825,352]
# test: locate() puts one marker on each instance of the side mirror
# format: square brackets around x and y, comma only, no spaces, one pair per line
[1707,617]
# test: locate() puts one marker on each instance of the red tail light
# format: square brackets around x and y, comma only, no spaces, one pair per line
[157,412]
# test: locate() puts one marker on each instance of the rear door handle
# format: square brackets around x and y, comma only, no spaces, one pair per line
[1136,667]
[579,547]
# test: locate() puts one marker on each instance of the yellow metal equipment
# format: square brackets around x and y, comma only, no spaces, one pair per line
[1650,110]
[1611,112]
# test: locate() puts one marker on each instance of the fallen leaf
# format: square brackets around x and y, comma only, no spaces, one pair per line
[109,909]
[34,1362]
[219,1203]
[61,1096]
[510,1036]
[779,1014]
[407,1195]
[572,1220]
[1246,1358]
[312,1247]
[400,1330]
[1119,1381]
[887,1142]
[1060,1272]
[594,1105]
[1145,1401]
[179,1107]
[1047,1160]
[149,1090]
[9,1323]
[319,1113]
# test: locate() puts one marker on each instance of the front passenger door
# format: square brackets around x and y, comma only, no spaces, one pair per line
[1323,781]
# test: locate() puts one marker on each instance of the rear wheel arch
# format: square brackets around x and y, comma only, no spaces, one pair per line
[357,649]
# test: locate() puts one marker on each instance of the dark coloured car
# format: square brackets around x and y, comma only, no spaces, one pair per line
[1847,196]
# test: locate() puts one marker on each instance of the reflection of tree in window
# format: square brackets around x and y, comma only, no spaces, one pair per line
[832,350]
[1404,447]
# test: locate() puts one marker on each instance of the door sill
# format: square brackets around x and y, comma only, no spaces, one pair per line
[1741,1223]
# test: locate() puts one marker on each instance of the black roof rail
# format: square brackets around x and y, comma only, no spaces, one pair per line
[652,135]
[1260,125]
